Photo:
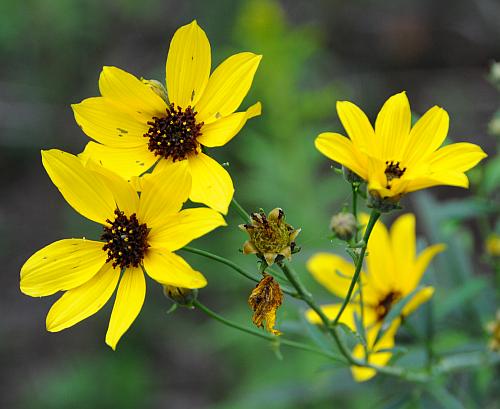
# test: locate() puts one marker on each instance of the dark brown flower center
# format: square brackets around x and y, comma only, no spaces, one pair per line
[126,240]
[384,305]
[393,171]
[174,135]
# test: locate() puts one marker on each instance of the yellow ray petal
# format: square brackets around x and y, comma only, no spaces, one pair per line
[170,269]
[128,303]
[381,273]
[332,272]
[126,162]
[392,126]
[81,188]
[188,65]
[421,264]
[212,185]
[331,311]
[81,302]
[358,127]
[106,123]
[340,149]
[221,131]
[403,247]
[163,194]
[227,87]
[177,230]
[62,265]
[419,298]
[129,93]
[456,157]
[450,178]
[126,197]
[427,135]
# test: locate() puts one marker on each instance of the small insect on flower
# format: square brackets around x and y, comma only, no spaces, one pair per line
[271,238]
[140,123]
[395,158]
[139,235]
[265,300]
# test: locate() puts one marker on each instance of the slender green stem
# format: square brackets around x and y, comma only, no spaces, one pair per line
[273,338]
[371,223]
[307,297]
[233,265]
[362,309]
[355,188]
[430,334]
[245,216]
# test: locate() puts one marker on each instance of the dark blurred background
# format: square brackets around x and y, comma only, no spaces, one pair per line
[315,53]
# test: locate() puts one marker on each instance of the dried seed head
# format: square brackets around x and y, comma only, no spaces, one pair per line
[271,238]
[265,299]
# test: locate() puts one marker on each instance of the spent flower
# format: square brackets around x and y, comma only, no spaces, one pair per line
[265,299]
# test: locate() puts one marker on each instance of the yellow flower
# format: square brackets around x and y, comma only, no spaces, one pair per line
[493,245]
[134,127]
[140,235]
[393,272]
[395,158]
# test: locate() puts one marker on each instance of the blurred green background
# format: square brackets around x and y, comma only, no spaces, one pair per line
[315,53]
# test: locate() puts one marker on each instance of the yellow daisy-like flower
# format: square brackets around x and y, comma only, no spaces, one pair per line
[393,272]
[396,158]
[135,127]
[140,235]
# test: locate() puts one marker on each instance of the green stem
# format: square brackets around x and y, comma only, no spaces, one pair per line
[234,266]
[371,223]
[355,188]
[273,338]
[245,216]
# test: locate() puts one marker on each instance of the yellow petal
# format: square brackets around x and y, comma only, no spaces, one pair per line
[163,194]
[381,273]
[126,162]
[227,87]
[128,303]
[81,188]
[403,246]
[129,93]
[81,302]
[427,135]
[421,264]
[457,157]
[212,185]
[170,269]
[126,197]
[331,311]
[340,149]
[332,272]
[392,126]
[450,178]
[221,131]
[358,127]
[419,298]
[177,230]
[62,265]
[188,65]
[106,123]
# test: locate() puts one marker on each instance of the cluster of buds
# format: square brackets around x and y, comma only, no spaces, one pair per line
[271,238]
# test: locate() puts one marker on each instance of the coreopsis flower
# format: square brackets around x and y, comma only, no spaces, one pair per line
[396,158]
[135,127]
[394,271]
[139,236]
[271,238]
[265,299]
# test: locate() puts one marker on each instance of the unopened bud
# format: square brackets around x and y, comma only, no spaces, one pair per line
[344,226]
[179,295]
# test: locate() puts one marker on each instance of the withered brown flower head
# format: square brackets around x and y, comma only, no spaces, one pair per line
[271,238]
[265,299]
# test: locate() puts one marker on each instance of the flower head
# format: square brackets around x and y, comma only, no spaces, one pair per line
[396,158]
[271,238]
[393,272]
[140,235]
[137,124]
[265,300]
[493,329]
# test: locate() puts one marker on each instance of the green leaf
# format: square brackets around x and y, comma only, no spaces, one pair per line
[456,299]
[445,398]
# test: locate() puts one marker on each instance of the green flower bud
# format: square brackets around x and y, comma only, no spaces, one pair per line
[344,225]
